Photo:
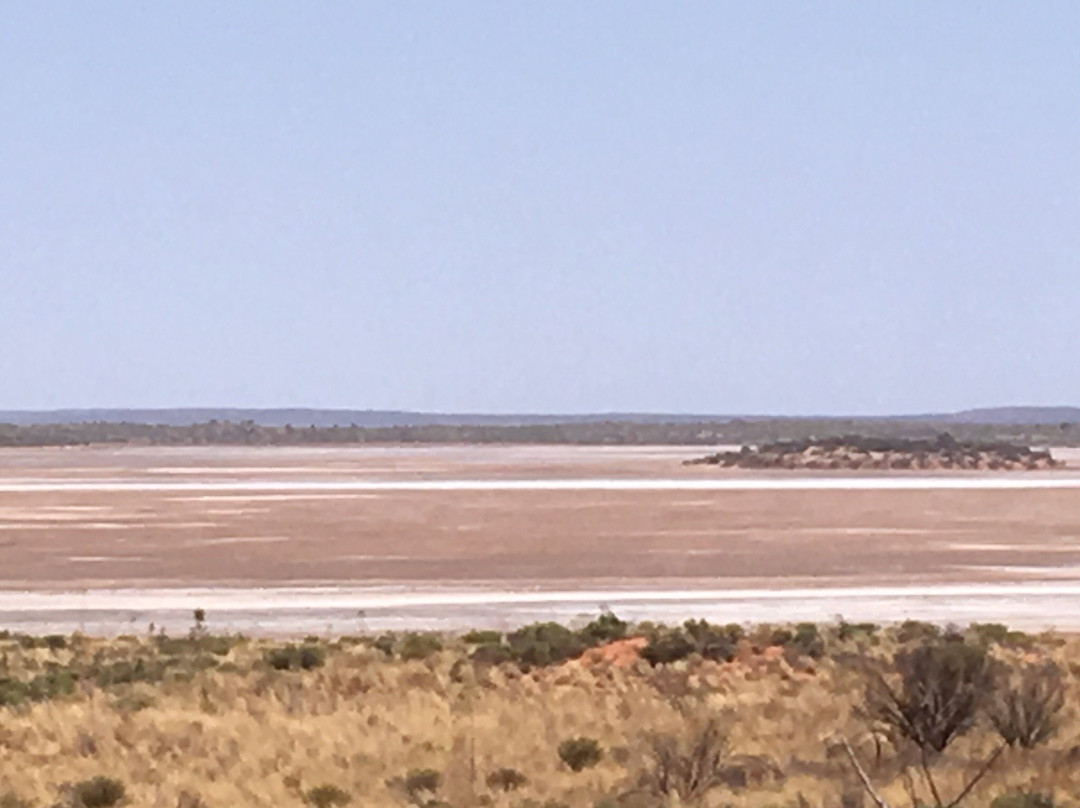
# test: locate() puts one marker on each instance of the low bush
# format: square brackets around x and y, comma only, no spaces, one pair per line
[605,628]
[98,792]
[54,682]
[483,637]
[12,692]
[714,642]
[917,631]
[669,647]
[689,763]
[385,643]
[327,796]
[421,783]
[808,641]
[419,646]
[55,642]
[998,634]
[580,753]
[542,644]
[695,637]
[491,654]
[849,631]
[292,657]
[505,779]
[127,671]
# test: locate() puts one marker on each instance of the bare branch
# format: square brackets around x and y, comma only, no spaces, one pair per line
[982,773]
[929,778]
[877,798]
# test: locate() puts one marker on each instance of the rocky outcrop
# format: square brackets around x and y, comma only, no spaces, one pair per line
[855,452]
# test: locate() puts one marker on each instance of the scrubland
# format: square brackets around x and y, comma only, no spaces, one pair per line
[606,715]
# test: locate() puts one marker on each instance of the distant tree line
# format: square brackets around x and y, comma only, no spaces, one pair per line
[612,433]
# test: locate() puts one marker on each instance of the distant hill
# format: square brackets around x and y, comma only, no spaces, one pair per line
[301,417]
[1012,415]
[375,419]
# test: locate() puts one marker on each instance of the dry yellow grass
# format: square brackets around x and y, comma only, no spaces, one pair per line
[244,734]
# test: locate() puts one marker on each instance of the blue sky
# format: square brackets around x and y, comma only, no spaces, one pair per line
[688,207]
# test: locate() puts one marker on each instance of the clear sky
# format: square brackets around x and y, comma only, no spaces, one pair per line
[769,207]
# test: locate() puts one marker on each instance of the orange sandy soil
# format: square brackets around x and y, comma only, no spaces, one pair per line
[546,538]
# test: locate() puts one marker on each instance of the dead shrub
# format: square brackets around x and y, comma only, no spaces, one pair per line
[689,763]
[940,689]
[937,699]
[1026,705]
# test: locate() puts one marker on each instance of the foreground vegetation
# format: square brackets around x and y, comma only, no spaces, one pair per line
[605,715]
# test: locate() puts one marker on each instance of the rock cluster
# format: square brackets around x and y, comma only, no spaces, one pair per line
[855,452]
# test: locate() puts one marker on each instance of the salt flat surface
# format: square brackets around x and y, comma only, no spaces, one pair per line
[277,541]
[1026,482]
[290,610]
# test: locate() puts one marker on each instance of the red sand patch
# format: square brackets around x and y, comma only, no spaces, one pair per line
[621,653]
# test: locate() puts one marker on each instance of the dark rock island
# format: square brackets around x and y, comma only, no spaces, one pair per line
[856,452]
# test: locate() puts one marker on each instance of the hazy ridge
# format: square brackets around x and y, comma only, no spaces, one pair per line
[303,417]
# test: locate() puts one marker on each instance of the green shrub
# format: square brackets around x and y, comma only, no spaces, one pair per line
[311,657]
[998,634]
[849,631]
[542,644]
[54,682]
[781,637]
[506,779]
[713,642]
[695,637]
[667,648]
[125,671]
[580,753]
[385,643]
[419,646]
[605,628]
[327,796]
[98,792]
[55,642]
[808,641]
[989,633]
[12,692]
[491,655]
[917,631]
[483,638]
